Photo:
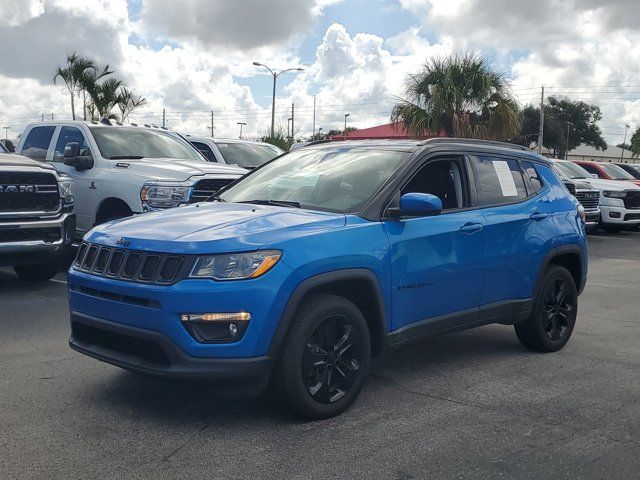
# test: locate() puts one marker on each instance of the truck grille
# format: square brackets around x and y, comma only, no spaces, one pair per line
[632,199]
[589,199]
[47,235]
[571,187]
[132,265]
[207,187]
[28,192]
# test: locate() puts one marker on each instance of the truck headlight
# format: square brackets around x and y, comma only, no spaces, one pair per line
[65,189]
[235,266]
[165,195]
[610,194]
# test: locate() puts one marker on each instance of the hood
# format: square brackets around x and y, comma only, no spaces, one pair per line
[175,169]
[214,227]
[12,160]
[615,185]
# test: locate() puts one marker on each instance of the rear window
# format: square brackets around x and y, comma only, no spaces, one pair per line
[37,142]
[498,180]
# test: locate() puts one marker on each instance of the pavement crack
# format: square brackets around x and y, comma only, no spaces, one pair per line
[173,452]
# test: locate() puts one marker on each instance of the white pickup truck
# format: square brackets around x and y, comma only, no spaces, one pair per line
[121,170]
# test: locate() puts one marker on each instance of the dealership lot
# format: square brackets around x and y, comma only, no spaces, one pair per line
[470,405]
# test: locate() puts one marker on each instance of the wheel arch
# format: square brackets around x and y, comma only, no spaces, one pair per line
[360,286]
[569,257]
[111,204]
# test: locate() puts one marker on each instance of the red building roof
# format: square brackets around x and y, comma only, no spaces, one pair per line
[392,131]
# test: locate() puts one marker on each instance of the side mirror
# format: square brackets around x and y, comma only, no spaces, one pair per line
[417,205]
[72,157]
[594,175]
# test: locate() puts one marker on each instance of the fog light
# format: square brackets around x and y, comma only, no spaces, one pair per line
[216,327]
[614,214]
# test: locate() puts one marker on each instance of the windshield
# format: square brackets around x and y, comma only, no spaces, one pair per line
[135,143]
[635,170]
[247,155]
[572,170]
[335,180]
[616,172]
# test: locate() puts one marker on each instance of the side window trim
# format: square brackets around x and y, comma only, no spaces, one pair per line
[531,192]
[459,158]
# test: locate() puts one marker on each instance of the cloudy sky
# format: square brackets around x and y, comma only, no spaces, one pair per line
[194,56]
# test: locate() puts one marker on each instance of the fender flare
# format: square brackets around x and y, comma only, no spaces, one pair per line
[321,280]
[548,259]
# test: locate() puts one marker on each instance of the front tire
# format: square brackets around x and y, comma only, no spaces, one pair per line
[37,273]
[325,358]
[554,313]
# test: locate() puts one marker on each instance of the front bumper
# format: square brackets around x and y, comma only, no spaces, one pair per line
[153,353]
[592,217]
[22,248]
[619,216]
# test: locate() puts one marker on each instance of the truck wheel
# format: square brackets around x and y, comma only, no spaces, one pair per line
[37,273]
[554,313]
[325,358]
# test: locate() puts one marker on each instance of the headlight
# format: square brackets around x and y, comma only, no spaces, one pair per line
[611,194]
[165,195]
[64,187]
[235,266]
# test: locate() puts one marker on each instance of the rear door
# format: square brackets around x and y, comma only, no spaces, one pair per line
[518,226]
[437,262]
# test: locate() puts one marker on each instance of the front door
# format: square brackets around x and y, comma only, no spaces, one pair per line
[437,263]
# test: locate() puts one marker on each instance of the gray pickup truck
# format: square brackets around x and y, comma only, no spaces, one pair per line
[36,217]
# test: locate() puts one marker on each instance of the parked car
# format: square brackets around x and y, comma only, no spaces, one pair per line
[607,171]
[119,171]
[619,200]
[307,267]
[3,149]
[36,217]
[242,153]
[587,195]
[632,169]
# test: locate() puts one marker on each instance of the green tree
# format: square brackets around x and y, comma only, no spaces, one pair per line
[71,74]
[104,98]
[460,95]
[88,81]
[128,102]
[279,139]
[635,143]
[580,118]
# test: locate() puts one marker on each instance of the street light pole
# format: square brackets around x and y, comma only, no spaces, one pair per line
[625,141]
[241,125]
[273,98]
[345,124]
[566,153]
[6,132]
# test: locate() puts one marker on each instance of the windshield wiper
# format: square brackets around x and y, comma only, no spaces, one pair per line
[125,157]
[215,198]
[279,203]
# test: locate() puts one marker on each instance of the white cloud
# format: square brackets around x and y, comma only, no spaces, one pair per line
[15,12]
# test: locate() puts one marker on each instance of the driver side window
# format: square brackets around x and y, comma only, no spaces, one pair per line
[68,135]
[442,178]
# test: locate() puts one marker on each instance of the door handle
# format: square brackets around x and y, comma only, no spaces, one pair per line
[471,228]
[538,216]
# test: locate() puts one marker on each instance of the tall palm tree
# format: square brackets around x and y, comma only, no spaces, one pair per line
[71,73]
[89,80]
[128,102]
[104,97]
[461,96]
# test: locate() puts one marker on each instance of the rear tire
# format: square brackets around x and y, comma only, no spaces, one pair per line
[324,359]
[554,313]
[37,273]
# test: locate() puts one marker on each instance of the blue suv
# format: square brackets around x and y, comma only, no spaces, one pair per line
[299,273]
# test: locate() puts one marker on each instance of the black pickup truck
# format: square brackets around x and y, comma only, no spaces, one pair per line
[36,217]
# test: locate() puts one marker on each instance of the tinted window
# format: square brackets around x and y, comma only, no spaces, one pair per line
[442,178]
[205,150]
[247,155]
[498,180]
[615,172]
[37,142]
[532,174]
[68,135]
[591,169]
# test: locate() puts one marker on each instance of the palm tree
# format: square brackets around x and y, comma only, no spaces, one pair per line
[461,96]
[128,102]
[89,80]
[104,97]
[71,74]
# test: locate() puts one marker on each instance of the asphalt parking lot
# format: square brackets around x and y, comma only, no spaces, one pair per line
[469,405]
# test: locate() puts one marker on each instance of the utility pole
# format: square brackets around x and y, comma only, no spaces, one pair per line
[625,141]
[541,133]
[212,127]
[52,117]
[43,116]
[293,116]
[345,124]
[288,128]
[566,153]
[163,117]
[313,130]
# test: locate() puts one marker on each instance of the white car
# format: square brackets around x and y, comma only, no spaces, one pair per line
[120,171]
[619,201]
[232,151]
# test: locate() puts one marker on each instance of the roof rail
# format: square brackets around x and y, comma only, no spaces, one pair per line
[475,140]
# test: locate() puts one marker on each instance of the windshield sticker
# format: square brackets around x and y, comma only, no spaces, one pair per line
[505,178]
[222,145]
